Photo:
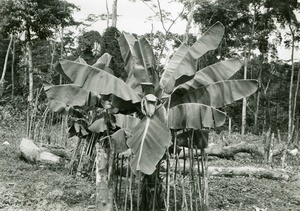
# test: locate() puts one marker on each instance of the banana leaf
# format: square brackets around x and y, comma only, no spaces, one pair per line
[103,63]
[126,43]
[217,72]
[98,126]
[99,81]
[119,139]
[217,94]
[139,61]
[195,116]
[62,98]
[183,64]
[126,121]
[149,141]
[77,130]
[80,60]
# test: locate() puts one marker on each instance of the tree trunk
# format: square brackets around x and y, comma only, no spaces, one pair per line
[258,96]
[30,71]
[290,124]
[104,190]
[6,58]
[244,108]
[53,48]
[5,66]
[114,13]
[30,81]
[61,49]
[107,14]
[13,68]
[189,21]
[296,95]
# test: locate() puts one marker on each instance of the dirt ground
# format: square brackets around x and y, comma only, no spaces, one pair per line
[27,186]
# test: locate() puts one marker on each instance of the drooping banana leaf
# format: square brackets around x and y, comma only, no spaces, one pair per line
[62,98]
[161,113]
[143,54]
[99,81]
[125,107]
[58,68]
[220,71]
[126,121]
[103,63]
[217,94]
[149,141]
[199,138]
[119,139]
[98,126]
[126,43]
[183,64]
[195,116]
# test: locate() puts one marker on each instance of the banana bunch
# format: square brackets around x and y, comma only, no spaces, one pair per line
[148,105]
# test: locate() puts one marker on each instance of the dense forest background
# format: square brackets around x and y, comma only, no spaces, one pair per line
[34,35]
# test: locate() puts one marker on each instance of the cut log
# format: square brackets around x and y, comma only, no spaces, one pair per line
[31,152]
[221,171]
[246,171]
[258,172]
[228,152]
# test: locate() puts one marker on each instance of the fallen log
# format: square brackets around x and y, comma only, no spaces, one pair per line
[249,171]
[217,171]
[31,152]
[229,171]
[229,152]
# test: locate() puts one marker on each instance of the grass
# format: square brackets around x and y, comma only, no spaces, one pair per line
[30,186]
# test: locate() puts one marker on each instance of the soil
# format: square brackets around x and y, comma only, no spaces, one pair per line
[28,186]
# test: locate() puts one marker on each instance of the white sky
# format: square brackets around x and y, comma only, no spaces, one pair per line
[133,18]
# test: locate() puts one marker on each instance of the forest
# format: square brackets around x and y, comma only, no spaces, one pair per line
[113,120]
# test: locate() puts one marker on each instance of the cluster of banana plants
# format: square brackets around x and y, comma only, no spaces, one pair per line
[145,114]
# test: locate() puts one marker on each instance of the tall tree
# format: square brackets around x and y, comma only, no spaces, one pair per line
[35,18]
[285,13]
[114,13]
[246,33]
[5,66]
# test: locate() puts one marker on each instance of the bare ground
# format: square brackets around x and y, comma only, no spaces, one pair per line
[27,186]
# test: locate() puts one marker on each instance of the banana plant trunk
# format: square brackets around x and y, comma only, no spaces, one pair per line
[104,187]
[151,192]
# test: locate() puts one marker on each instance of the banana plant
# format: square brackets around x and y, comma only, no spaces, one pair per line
[191,98]
[183,98]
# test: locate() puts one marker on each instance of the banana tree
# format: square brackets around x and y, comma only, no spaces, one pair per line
[184,98]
